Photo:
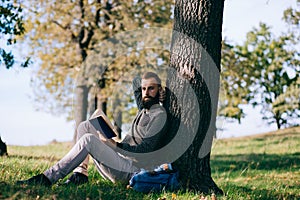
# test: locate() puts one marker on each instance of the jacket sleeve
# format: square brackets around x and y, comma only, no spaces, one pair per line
[155,131]
[137,91]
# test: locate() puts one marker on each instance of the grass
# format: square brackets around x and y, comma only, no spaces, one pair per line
[257,167]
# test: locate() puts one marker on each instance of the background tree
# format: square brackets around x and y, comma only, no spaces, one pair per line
[64,34]
[292,18]
[234,88]
[289,102]
[11,26]
[270,66]
[195,62]
[270,74]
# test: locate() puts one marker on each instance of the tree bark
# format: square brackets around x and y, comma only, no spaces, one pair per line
[193,85]
[117,115]
[81,105]
[82,89]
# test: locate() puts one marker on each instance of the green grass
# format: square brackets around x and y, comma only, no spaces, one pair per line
[258,167]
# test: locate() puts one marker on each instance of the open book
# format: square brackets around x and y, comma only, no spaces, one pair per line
[102,124]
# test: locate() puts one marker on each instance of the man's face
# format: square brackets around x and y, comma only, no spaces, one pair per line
[150,89]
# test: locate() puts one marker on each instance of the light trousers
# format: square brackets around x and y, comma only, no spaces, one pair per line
[110,164]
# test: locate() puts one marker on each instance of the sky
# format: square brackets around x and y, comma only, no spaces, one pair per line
[20,124]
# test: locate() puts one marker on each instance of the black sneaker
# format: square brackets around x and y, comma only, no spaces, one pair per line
[40,179]
[77,179]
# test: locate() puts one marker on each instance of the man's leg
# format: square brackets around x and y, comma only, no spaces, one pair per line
[84,128]
[114,173]
[116,166]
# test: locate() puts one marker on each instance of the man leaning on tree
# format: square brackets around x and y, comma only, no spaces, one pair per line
[114,160]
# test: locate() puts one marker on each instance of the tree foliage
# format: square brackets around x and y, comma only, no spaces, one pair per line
[64,34]
[11,26]
[264,72]
[269,70]
[292,17]
[234,88]
[275,64]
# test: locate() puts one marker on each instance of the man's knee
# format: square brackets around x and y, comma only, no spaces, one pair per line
[88,138]
[82,129]
[91,143]
[83,125]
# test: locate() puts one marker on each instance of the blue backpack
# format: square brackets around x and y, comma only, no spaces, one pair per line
[155,181]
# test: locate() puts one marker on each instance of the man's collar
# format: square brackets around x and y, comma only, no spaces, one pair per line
[154,106]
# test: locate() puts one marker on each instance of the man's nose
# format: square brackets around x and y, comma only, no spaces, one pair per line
[147,91]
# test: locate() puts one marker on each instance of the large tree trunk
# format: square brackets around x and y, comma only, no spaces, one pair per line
[117,115]
[193,82]
[83,40]
[92,101]
[81,105]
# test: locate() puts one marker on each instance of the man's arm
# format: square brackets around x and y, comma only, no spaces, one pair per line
[151,141]
[137,91]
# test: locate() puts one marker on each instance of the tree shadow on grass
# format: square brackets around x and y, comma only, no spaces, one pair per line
[255,161]
[100,189]
[264,162]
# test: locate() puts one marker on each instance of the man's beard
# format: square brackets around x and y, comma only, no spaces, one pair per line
[150,101]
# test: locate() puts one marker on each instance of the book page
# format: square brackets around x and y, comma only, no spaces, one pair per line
[98,113]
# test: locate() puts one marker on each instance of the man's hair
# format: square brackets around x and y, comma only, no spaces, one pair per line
[148,75]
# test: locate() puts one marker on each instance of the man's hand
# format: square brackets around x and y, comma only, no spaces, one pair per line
[109,142]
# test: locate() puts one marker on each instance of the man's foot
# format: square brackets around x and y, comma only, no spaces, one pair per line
[77,179]
[40,179]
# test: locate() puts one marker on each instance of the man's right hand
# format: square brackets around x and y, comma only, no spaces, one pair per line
[109,142]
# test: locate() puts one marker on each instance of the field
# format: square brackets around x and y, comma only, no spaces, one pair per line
[258,167]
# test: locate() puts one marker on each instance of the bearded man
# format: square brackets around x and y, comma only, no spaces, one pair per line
[116,161]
